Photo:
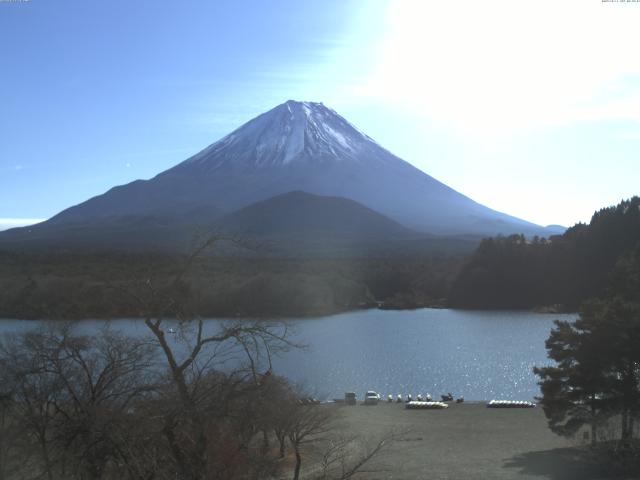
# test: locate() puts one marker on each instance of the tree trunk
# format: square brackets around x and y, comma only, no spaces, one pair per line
[594,427]
[47,460]
[296,473]
[181,462]
[2,428]
[625,424]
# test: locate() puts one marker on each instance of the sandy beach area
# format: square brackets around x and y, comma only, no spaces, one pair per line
[468,441]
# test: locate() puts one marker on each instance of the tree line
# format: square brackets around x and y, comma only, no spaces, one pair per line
[563,271]
[67,285]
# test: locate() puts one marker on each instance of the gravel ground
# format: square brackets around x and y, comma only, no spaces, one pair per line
[468,441]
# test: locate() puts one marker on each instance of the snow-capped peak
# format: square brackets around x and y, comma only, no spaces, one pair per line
[291,132]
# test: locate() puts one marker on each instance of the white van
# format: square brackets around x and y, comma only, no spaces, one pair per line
[371,398]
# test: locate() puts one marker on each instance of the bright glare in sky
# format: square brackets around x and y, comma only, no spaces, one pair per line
[540,101]
[531,108]
[489,68]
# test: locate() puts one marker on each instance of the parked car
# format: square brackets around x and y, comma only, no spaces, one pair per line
[371,398]
[350,398]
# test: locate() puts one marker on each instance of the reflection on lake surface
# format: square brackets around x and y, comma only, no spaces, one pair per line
[475,354]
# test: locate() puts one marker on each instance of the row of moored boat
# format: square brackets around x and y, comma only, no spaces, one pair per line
[510,404]
[417,405]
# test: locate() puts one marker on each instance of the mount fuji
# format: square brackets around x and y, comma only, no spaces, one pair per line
[295,147]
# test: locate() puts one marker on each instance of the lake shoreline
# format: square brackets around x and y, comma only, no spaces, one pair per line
[303,315]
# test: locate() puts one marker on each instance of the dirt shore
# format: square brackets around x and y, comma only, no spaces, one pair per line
[469,441]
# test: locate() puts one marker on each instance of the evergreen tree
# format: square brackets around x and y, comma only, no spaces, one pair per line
[511,272]
[597,371]
[573,391]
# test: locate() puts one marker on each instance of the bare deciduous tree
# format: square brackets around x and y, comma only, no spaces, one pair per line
[347,456]
[193,353]
[307,424]
[72,397]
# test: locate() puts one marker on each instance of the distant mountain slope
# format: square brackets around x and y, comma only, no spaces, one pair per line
[292,224]
[303,224]
[126,232]
[296,146]
[300,214]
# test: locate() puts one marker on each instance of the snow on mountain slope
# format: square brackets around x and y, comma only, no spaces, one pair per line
[291,132]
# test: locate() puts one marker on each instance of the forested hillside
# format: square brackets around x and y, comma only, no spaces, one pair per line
[514,272]
[84,285]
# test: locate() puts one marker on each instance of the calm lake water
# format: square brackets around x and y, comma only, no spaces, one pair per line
[476,354]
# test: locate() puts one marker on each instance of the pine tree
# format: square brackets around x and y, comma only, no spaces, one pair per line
[597,371]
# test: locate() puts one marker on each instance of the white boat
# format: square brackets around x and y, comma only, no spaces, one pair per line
[426,405]
[510,404]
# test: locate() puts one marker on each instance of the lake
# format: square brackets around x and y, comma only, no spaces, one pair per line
[476,354]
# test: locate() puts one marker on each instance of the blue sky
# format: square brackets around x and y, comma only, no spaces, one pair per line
[532,108]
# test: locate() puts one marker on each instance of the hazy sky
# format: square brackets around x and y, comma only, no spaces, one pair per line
[531,108]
